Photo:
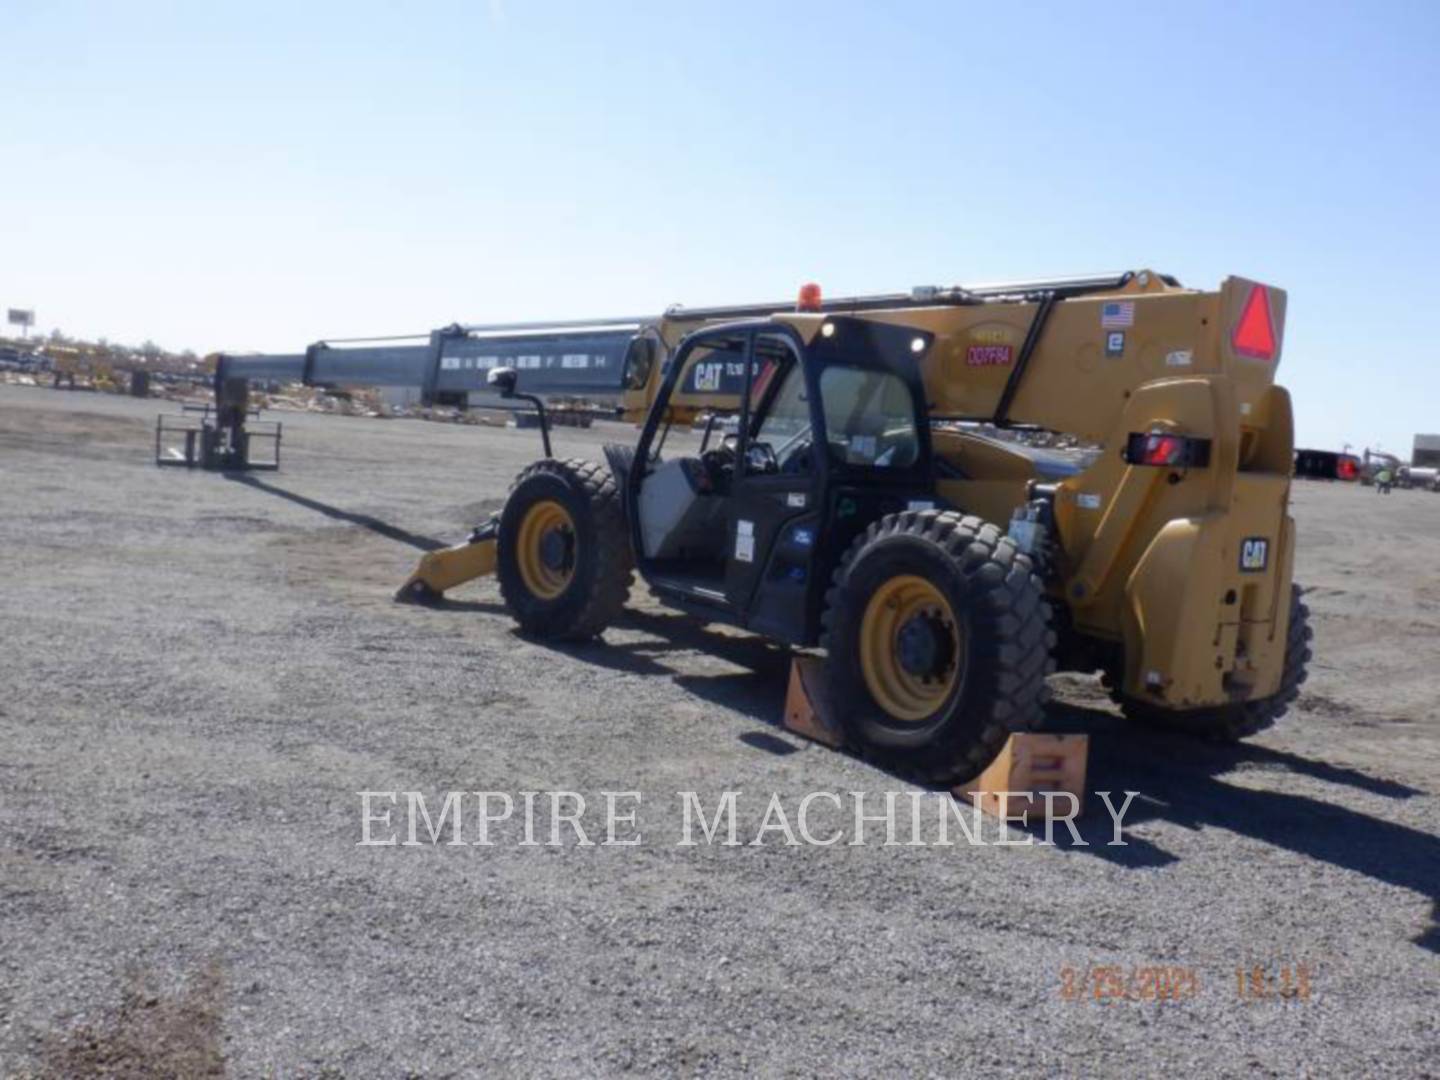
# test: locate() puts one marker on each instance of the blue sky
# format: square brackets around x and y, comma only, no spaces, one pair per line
[261,175]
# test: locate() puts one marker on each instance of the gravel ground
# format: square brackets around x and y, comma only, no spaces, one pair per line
[202,673]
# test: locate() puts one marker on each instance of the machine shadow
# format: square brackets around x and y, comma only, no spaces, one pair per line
[366,521]
[750,691]
[1177,779]
[1191,784]
[1430,937]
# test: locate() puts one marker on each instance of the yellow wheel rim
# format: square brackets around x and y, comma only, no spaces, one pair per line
[910,647]
[545,549]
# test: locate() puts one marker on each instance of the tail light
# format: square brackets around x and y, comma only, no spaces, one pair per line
[1167,451]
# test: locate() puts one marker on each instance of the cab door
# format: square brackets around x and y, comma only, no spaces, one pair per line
[707,373]
[778,495]
[841,440]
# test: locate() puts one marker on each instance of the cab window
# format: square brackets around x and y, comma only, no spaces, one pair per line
[869,418]
[786,425]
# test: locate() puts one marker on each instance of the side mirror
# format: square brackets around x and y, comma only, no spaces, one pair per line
[639,360]
[503,380]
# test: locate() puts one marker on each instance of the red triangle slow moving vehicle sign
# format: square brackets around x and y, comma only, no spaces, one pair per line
[1255,333]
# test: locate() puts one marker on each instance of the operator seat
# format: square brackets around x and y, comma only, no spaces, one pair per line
[681,516]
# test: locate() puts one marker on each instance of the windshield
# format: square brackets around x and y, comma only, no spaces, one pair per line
[869,419]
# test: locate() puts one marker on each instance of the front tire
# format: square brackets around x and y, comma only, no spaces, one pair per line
[563,553]
[938,641]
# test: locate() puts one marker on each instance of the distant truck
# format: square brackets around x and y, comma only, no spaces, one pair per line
[1426,453]
[1425,477]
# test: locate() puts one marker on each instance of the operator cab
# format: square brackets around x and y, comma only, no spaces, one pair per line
[807,443]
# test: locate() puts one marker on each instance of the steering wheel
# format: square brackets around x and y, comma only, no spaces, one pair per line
[799,462]
[719,463]
[760,458]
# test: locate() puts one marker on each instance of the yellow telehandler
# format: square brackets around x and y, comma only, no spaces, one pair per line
[952,492]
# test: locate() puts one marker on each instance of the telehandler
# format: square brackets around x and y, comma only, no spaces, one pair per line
[879,495]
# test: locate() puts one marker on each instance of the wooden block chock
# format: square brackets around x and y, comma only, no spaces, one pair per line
[807,705]
[1034,764]
[1028,763]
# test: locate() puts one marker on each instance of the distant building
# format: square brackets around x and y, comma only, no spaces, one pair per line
[1426,452]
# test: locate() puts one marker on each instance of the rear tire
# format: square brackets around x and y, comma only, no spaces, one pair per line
[563,552]
[938,641]
[1231,723]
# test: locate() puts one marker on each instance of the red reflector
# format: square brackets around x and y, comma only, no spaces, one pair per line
[809,299]
[1166,451]
[1255,333]
[1163,450]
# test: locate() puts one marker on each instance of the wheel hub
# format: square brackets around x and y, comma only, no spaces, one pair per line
[545,548]
[556,550]
[924,646]
[911,647]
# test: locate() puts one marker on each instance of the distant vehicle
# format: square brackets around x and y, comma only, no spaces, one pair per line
[1326,465]
[1426,452]
[1425,477]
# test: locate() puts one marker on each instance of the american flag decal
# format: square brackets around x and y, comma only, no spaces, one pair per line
[1117,315]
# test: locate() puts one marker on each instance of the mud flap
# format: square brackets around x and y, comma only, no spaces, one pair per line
[1174,616]
[1198,633]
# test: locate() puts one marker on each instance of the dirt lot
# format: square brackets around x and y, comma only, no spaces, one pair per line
[201,674]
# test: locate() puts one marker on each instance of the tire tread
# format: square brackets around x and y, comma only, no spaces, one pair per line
[609,586]
[1018,661]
